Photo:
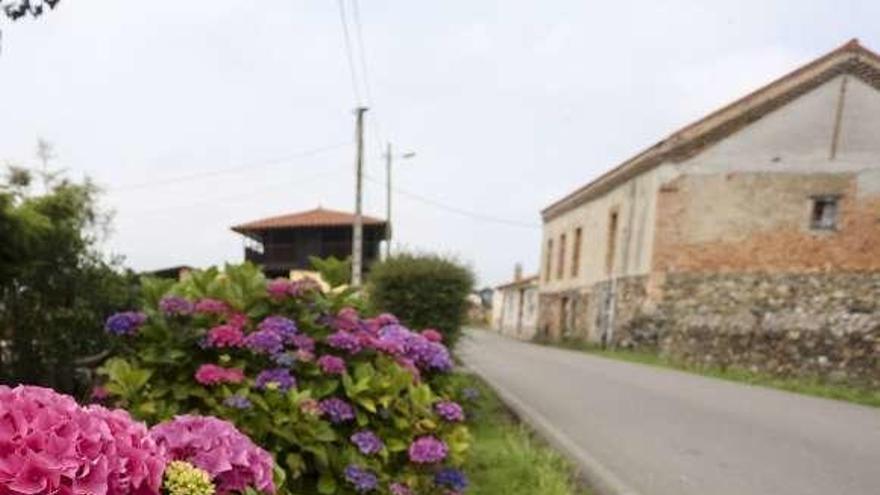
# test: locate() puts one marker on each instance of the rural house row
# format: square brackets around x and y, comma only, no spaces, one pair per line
[750,237]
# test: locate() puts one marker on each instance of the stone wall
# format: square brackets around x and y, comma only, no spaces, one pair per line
[788,325]
[563,314]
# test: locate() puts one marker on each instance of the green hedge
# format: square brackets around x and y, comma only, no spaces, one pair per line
[423,290]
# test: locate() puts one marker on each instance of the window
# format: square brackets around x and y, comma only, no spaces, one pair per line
[560,268]
[548,260]
[576,253]
[823,215]
[612,242]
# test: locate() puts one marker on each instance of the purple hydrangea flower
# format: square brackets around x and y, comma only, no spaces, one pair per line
[450,411]
[428,450]
[331,365]
[451,478]
[264,342]
[345,341]
[362,479]
[279,377]
[337,410]
[285,328]
[237,402]
[367,442]
[126,323]
[175,306]
[303,342]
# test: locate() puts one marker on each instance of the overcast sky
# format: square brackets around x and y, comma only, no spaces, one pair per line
[509,105]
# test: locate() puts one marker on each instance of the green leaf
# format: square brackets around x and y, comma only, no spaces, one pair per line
[326,484]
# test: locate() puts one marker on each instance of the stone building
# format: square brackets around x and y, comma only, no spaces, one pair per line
[750,237]
[515,306]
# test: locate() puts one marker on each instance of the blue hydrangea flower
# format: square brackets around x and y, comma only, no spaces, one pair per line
[451,478]
[237,402]
[279,377]
[126,323]
[362,479]
[367,442]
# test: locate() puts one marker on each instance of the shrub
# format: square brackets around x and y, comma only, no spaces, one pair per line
[423,291]
[338,399]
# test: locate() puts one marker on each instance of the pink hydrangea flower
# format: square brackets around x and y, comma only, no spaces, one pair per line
[225,336]
[211,307]
[279,288]
[331,365]
[232,460]
[211,374]
[49,445]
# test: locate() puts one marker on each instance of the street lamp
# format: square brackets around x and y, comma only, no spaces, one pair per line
[389,157]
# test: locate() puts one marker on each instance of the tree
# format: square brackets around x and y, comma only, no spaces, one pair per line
[55,286]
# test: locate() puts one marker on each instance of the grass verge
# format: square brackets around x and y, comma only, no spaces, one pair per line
[505,457]
[807,386]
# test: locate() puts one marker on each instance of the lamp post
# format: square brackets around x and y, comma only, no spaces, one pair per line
[389,158]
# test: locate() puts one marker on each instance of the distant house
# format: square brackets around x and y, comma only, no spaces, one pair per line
[515,306]
[171,272]
[284,243]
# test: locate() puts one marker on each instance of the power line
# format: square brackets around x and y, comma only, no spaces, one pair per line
[230,170]
[362,51]
[454,209]
[348,53]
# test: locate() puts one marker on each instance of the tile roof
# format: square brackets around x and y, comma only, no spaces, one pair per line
[851,58]
[319,217]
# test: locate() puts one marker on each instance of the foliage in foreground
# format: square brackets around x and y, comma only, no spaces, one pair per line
[345,404]
[423,291]
[55,287]
[506,458]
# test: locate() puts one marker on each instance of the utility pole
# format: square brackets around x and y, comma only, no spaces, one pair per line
[389,227]
[357,244]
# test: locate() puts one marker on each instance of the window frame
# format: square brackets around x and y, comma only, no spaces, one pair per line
[818,223]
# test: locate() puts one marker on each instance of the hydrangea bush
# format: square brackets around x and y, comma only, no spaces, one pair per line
[347,404]
[50,445]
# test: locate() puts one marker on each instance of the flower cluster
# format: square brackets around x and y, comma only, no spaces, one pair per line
[279,378]
[225,336]
[337,410]
[451,478]
[126,323]
[182,478]
[450,411]
[217,447]
[367,442]
[362,479]
[211,374]
[211,307]
[49,444]
[428,450]
[331,365]
[175,306]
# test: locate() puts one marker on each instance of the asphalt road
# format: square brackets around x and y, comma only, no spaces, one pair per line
[649,431]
